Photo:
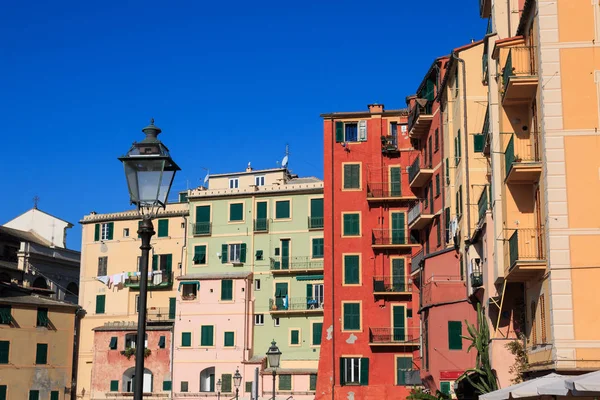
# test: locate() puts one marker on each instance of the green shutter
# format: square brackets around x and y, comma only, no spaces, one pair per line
[316,208]
[447,222]
[243,253]
[186,339]
[395,182]
[202,214]
[207,335]
[261,210]
[155,262]
[295,337]
[317,248]
[398,228]
[447,172]
[403,365]
[285,382]
[229,339]
[41,353]
[4,351]
[54,395]
[199,254]
[399,323]
[168,265]
[248,387]
[167,386]
[282,209]
[398,275]
[172,305]
[342,371]
[351,270]
[445,387]
[478,143]
[34,395]
[111,228]
[96,232]
[313,382]
[114,386]
[2,392]
[309,290]
[226,383]
[351,316]
[460,198]
[162,342]
[100,303]
[224,255]
[455,335]
[339,132]
[236,212]
[163,227]
[352,176]
[113,343]
[226,289]
[351,224]
[364,371]
[437,185]
[317,333]
[42,317]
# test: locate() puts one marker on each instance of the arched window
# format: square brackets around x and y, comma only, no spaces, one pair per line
[131,340]
[72,293]
[533,336]
[129,380]
[40,283]
[207,380]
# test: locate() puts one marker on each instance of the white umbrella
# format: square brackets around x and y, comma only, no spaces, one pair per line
[584,383]
[528,389]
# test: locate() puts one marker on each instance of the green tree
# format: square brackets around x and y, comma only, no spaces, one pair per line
[419,394]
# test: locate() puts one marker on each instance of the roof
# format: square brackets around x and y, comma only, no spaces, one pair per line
[215,276]
[172,210]
[24,236]
[364,114]
[9,265]
[308,179]
[256,359]
[44,212]
[429,71]
[35,300]
[251,172]
[451,63]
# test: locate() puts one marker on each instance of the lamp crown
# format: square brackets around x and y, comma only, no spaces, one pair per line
[151,131]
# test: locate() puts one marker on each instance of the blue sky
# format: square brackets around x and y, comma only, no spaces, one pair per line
[228,82]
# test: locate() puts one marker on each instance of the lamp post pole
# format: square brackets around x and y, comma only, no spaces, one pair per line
[274,373]
[274,356]
[146,231]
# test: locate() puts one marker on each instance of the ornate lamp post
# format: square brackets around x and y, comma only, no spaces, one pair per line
[149,170]
[237,381]
[219,389]
[274,356]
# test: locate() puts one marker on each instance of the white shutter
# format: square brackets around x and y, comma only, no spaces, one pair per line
[362,131]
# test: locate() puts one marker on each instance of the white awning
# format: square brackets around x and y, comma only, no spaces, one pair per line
[584,383]
[532,388]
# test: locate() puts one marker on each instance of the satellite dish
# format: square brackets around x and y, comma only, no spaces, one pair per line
[284,162]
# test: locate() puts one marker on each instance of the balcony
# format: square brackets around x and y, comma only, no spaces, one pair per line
[419,173]
[386,191]
[483,203]
[295,265]
[485,8]
[416,261]
[392,239]
[419,118]
[389,145]
[487,134]
[296,305]
[526,254]
[476,279]
[261,225]
[202,228]
[522,160]
[410,336]
[391,285]
[159,314]
[316,222]
[161,279]
[519,76]
[420,215]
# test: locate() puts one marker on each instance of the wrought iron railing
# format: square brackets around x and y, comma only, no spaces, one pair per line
[417,110]
[392,284]
[295,303]
[485,130]
[378,190]
[521,150]
[416,261]
[414,169]
[526,244]
[519,62]
[423,206]
[316,222]
[202,228]
[261,225]
[483,203]
[392,237]
[158,314]
[394,335]
[389,144]
[295,263]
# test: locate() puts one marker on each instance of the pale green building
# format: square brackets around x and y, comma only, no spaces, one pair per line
[268,223]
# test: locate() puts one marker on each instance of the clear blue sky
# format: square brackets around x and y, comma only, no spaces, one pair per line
[228,82]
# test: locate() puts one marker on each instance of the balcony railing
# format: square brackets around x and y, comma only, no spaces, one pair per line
[521,151]
[202,228]
[389,144]
[420,208]
[158,314]
[392,284]
[485,131]
[261,225]
[291,304]
[519,62]
[160,279]
[476,279]
[416,261]
[392,237]
[316,222]
[295,263]
[526,245]
[483,203]
[383,190]
[419,110]
[394,336]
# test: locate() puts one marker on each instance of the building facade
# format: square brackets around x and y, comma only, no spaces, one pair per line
[254,274]
[109,293]
[371,331]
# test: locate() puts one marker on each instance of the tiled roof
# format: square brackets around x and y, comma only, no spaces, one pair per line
[24,236]
[37,301]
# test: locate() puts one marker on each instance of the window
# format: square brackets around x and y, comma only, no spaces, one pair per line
[543,318]
[233,253]
[207,335]
[445,388]
[460,199]
[351,317]
[202,225]
[285,382]
[438,228]
[533,330]
[183,197]
[114,386]
[234,183]
[437,139]
[3,392]
[102,266]
[259,180]
[437,185]
[4,351]
[317,333]
[189,290]
[248,387]
[236,212]
[100,303]
[404,369]
[163,227]
[352,176]
[184,386]
[113,343]
[226,383]
[200,255]
[282,209]
[295,337]
[5,315]
[403,128]
[42,317]
[478,143]
[167,386]
[257,284]
[314,291]
[186,339]
[162,342]
[351,224]
[131,340]
[317,248]
[316,214]
[354,371]
[107,231]
[313,382]
[259,319]
[172,307]
[394,130]
[34,395]
[229,339]
[41,353]
[457,148]
[455,335]
[351,132]
[351,270]
[125,232]
[226,290]
[447,172]
[275,321]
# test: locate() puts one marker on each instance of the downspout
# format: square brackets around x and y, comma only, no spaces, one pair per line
[79,313]
[332,263]
[184,248]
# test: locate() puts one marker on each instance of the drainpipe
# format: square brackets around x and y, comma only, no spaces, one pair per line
[184,248]
[79,314]
[332,262]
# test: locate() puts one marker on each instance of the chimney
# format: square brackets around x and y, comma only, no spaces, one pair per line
[249,167]
[375,108]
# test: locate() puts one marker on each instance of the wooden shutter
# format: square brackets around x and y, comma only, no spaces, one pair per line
[313,382]
[224,255]
[459,144]
[295,337]
[362,131]
[186,339]
[403,365]
[54,395]
[317,248]
[41,353]
[309,290]
[339,131]
[261,210]
[100,303]
[398,228]
[167,386]
[243,252]
[34,395]
[163,227]
[96,232]
[226,383]
[4,351]
[113,343]
[154,262]
[162,342]
[229,339]
[199,254]
[114,386]
[206,335]
[168,265]
[236,212]
[111,228]
[202,214]
[316,208]
[317,333]
[395,182]
[282,209]
[478,143]
[172,305]
[455,335]
[351,316]
[226,290]
[285,382]
[2,392]
[364,371]
[445,387]
[351,270]
[437,185]
[342,371]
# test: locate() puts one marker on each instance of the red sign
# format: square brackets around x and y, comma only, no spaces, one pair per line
[450,375]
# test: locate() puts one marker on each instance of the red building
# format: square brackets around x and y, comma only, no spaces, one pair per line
[371,337]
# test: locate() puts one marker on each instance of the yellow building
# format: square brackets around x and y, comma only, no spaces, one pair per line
[541,63]
[36,345]
[109,287]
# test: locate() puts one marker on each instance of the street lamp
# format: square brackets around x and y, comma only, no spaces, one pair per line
[219,389]
[237,381]
[274,356]
[149,170]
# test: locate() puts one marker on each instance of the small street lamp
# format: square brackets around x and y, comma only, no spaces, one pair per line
[149,170]
[237,381]
[219,389]
[274,356]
